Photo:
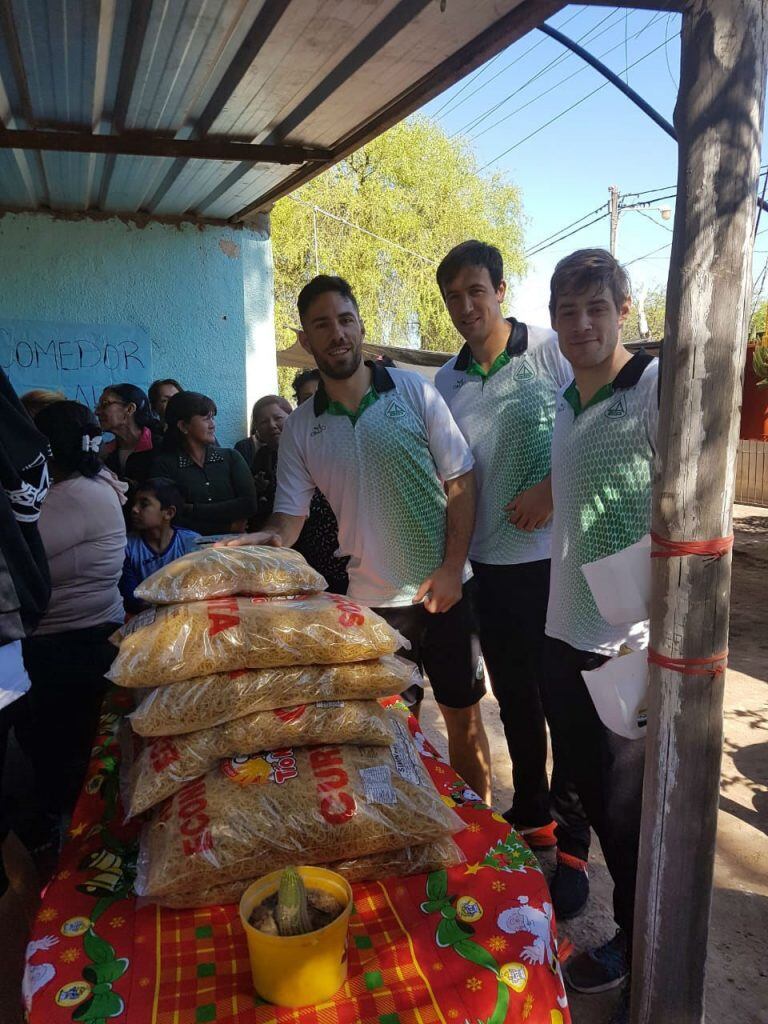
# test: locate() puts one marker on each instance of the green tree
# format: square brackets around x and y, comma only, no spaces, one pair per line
[654,303]
[415,193]
[757,320]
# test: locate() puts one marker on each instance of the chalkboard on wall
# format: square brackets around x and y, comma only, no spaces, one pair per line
[78,359]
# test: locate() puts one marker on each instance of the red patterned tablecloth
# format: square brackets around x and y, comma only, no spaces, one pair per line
[476,943]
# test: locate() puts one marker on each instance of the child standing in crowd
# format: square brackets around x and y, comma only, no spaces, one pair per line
[154,540]
[603,448]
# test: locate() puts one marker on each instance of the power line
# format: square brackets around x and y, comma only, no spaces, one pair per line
[646,256]
[562,238]
[633,195]
[653,220]
[365,231]
[472,78]
[566,111]
[557,85]
[565,228]
[474,122]
[500,72]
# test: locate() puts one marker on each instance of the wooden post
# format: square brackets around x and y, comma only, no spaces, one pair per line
[718,117]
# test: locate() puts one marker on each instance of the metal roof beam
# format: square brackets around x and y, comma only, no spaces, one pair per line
[134,43]
[675,6]
[140,144]
[262,28]
[398,18]
[526,16]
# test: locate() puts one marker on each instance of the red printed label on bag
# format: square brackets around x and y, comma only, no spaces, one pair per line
[193,821]
[337,806]
[288,715]
[162,753]
[350,614]
[223,613]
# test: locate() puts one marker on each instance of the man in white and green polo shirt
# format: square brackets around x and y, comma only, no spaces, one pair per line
[381,445]
[603,448]
[501,389]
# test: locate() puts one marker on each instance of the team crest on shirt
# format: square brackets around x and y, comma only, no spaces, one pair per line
[317,429]
[394,410]
[617,409]
[524,372]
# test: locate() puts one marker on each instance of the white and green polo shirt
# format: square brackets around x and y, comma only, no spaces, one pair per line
[507,415]
[382,471]
[602,469]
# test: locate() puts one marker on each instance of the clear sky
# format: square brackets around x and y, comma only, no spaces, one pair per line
[564,169]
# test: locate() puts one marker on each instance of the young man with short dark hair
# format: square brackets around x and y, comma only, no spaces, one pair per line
[603,449]
[501,389]
[380,444]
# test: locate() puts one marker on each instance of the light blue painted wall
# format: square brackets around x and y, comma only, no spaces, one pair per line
[205,296]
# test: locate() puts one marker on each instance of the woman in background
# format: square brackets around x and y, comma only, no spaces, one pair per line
[160,392]
[124,411]
[83,533]
[267,419]
[37,399]
[216,484]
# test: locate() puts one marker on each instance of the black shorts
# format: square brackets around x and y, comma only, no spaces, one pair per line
[444,647]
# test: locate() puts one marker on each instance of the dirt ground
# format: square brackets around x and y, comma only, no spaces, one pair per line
[737,985]
[737,967]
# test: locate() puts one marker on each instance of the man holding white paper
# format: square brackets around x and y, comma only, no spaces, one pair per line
[603,448]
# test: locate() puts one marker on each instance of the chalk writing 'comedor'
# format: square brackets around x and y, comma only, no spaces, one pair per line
[73,356]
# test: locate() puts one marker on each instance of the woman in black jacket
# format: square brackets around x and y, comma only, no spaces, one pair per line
[218,489]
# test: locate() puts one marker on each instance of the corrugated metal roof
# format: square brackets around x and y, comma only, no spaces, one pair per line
[310,80]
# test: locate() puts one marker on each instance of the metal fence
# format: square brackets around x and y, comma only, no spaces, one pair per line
[752,473]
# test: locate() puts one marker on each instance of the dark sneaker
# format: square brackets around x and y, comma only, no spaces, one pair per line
[601,969]
[569,888]
[621,1013]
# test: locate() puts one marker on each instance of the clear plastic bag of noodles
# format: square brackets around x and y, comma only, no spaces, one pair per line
[210,700]
[221,572]
[310,805]
[181,641]
[413,860]
[164,764]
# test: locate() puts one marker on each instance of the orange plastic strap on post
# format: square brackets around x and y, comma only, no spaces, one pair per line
[714,665]
[675,548]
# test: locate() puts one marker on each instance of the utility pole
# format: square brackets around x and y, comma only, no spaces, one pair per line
[719,120]
[613,204]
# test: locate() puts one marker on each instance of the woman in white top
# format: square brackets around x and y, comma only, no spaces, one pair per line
[83,533]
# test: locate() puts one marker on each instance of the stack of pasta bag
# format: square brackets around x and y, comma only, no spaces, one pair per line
[259,738]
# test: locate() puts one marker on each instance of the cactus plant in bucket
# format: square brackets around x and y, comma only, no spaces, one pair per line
[294,909]
[296,923]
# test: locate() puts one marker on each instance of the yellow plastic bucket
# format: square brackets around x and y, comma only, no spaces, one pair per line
[298,970]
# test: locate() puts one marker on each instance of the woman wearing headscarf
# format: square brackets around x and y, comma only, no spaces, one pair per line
[83,533]
[124,410]
[217,486]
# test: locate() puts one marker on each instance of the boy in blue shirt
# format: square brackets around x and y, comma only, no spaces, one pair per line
[154,540]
